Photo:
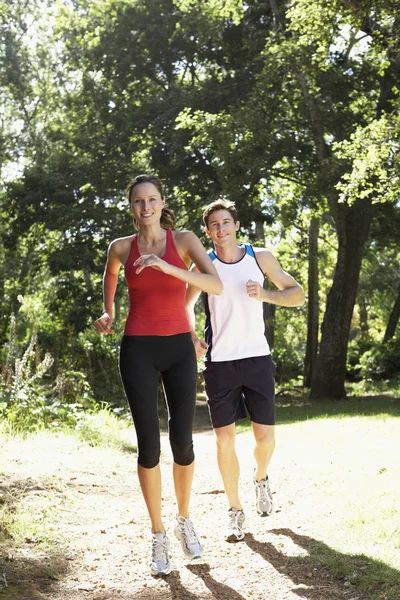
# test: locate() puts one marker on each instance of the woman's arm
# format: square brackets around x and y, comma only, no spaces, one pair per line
[187,243]
[110,281]
[192,295]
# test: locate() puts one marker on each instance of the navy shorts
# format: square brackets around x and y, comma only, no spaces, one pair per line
[236,388]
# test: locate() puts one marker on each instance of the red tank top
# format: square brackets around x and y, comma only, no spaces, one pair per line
[156,300]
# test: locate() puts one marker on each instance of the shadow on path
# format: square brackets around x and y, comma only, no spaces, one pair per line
[28,570]
[327,573]
[219,590]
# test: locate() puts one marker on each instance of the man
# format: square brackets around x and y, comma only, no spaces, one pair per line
[238,371]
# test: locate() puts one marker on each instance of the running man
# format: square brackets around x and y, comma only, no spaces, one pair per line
[239,372]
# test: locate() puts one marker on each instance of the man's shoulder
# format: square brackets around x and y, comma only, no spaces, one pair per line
[261,251]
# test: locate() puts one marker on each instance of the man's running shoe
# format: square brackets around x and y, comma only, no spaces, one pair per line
[236,521]
[185,532]
[159,562]
[264,501]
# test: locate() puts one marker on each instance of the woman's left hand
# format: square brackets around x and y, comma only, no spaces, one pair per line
[153,261]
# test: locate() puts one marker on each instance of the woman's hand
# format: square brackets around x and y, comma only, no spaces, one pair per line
[153,261]
[103,325]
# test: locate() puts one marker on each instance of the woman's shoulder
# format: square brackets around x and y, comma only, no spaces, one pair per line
[184,236]
[121,245]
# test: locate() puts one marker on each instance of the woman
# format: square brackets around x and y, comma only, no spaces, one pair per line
[157,340]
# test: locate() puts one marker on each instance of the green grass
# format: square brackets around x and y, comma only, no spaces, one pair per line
[342,470]
[97,428]
[347,456]
[294,409]
[103,428]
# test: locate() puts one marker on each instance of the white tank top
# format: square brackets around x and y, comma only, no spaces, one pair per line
[235,325]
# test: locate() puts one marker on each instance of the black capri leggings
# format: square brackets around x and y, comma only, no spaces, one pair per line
[142,358]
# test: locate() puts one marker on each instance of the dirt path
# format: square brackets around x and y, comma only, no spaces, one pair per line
[104,532]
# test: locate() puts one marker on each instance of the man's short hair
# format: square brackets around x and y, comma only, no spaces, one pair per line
[219,205]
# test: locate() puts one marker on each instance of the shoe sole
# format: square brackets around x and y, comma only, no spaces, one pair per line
[265,513]
[160,573]
[233,539]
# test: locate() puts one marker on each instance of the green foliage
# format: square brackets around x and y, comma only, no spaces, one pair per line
[103,428]
[289,108]
[29,399]
[381,361]
[374,153]
[372,361]
[288,363]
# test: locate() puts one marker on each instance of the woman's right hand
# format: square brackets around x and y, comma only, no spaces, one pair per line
[103,325]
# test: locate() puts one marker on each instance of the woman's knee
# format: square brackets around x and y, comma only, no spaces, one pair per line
[183,453]
[149,457]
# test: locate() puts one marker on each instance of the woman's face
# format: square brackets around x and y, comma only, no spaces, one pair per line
[146,204]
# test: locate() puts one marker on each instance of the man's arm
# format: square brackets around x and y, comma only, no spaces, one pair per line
[289,293]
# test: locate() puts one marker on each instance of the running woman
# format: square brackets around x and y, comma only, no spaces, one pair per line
[157,340]
[239,372]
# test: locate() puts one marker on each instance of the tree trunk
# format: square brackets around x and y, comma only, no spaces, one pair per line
[313,302]
[393,319]
[353,224]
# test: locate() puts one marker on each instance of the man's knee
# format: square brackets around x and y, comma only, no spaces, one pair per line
[225,438]
[264,435]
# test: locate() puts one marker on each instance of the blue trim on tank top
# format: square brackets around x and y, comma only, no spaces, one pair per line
[249,249]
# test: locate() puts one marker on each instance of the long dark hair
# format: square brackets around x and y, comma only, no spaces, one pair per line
[167,220]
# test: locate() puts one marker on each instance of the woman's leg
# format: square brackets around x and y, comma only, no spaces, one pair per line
[180,391]
[150,482]
[140,379]
[183,479]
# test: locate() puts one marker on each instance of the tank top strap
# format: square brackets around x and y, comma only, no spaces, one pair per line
[170,238]
[134,250]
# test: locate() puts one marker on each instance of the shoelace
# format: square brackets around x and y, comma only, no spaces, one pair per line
[189,531]
[233,520]
[159,548]
[263,490]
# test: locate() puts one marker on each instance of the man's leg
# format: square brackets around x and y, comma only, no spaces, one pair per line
[264,436]
[228,463]
[229,468]
[265,443]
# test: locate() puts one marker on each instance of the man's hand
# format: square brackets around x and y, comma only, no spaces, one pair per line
[200,347]
[103,325]
[254,290]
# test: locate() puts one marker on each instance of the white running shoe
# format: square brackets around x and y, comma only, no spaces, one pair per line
[234,532]
[264,501]
[159,562]
[185,532]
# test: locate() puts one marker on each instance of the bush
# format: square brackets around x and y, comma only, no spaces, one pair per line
[374,361]
[288,364]
[381,361]
[29,399]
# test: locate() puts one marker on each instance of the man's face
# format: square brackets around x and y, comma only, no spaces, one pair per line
[222,228]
